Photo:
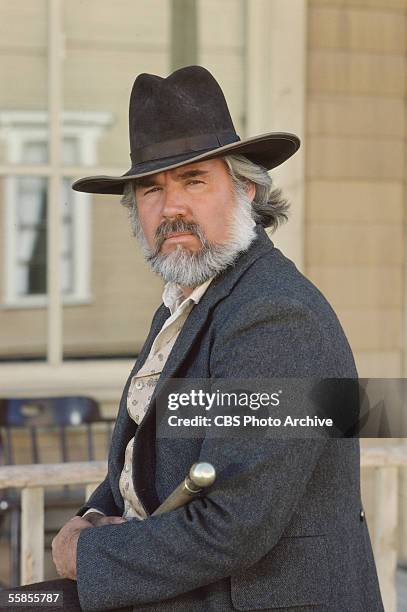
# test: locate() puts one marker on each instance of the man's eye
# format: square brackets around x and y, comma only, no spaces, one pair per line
[194,182]
[152,190]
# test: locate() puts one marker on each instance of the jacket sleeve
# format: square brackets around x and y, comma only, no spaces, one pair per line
[243,515]
[101,500]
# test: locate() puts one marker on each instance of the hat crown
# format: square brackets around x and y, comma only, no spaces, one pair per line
[182,119]
[185,107]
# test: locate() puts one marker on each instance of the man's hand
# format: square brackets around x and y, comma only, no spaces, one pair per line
[98,520]
[64,546]
[65,543]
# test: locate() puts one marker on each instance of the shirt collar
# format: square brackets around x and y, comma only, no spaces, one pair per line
[174,299]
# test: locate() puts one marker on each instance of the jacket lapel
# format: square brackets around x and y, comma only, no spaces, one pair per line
[221,286]
[125,427]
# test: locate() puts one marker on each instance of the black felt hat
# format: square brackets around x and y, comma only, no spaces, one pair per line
[182,119]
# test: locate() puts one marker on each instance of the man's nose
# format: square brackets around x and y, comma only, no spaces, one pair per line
[174,204]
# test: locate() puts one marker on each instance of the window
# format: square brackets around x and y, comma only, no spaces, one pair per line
[25,258]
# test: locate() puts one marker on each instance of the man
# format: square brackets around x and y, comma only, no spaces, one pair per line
[282,528]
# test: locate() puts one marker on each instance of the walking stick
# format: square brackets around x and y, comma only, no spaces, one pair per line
[201,475]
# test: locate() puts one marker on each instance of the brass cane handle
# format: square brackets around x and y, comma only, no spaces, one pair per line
[201,475]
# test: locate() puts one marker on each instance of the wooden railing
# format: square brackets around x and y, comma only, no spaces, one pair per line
[33,479]
[386,461]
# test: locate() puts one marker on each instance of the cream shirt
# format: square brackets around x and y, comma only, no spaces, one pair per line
[143,383]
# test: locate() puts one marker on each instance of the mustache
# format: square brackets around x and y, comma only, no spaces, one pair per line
[178,225]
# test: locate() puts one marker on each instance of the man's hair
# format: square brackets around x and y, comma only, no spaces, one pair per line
[269,207]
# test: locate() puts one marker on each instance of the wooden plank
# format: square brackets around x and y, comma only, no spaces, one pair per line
[93,472]
[385,533]
[356,116]
[123,22]
[355,201]
[372,329]
[384,456]
[32,535]
[359,286]
[384,5]
[340,245]
[23,25]
[378,363]
[94,378]
[353,158]
[355,73]
[357,29]
[403,515]
[47,475]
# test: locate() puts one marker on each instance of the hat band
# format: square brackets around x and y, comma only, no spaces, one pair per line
[178,146]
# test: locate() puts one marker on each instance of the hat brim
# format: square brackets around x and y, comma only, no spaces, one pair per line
[267,150]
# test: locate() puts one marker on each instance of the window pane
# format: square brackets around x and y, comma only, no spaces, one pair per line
[23,326]
[23,75]
[34,150]
[25,231]
[31,234]
[71,146]
[66,274]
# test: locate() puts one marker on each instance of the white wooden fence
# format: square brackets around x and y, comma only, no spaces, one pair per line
[33,479]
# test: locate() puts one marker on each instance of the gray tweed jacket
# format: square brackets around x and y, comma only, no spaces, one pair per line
[282,528]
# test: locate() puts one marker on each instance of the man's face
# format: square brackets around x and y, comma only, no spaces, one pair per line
[200,194]
[193,222]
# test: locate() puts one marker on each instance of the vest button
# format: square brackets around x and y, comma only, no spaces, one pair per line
[362,516]
[139,384]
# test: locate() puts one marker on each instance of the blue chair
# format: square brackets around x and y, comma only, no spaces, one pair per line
[34,418]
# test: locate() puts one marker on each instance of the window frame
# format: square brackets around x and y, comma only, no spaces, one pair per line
[18,128]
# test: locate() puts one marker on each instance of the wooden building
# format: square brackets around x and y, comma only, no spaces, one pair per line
[331,71]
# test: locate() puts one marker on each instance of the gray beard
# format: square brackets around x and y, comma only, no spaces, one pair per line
[190,269]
